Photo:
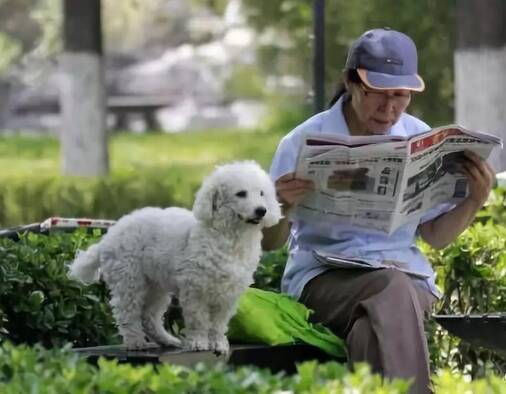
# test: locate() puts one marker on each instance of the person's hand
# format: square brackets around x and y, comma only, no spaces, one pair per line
[480,177]
[291,190]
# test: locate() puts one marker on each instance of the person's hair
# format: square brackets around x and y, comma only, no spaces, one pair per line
[350,76]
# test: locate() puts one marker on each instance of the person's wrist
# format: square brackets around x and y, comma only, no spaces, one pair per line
[286,208]
[477,202]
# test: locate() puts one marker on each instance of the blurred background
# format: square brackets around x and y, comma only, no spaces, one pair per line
[212,63]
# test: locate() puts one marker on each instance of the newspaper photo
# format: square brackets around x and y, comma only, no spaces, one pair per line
[385,181]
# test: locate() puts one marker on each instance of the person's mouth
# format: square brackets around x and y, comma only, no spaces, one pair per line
[382,122]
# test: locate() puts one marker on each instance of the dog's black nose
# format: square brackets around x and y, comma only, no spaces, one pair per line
[260,212]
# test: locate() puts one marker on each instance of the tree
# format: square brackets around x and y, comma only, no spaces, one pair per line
[480,64]
[82,99]
[429,23]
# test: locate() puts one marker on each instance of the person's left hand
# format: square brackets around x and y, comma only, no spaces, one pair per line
[480,177]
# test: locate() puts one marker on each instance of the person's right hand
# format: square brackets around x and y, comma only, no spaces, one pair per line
[291,190]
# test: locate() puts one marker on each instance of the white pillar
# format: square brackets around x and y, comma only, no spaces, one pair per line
[82,101]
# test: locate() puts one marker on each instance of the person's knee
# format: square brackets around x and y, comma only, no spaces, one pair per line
[393,278]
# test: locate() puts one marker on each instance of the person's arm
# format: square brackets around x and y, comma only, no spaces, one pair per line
[290,192]
[443,230]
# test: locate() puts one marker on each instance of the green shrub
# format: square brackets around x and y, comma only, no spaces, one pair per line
[38,303]
[495,208]
[472,274]
[270,270]
[24,370]
[35,199]
[36,370]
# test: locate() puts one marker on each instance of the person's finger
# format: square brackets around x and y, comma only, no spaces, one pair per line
[472,172]
[286,177]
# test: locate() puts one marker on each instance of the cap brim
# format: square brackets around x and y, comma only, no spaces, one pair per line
[380,81]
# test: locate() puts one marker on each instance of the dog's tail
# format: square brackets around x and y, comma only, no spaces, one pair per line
[85,267]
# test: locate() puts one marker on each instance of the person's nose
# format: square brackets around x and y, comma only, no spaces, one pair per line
[388,104]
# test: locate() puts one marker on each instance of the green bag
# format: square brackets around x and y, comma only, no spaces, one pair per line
[274,319]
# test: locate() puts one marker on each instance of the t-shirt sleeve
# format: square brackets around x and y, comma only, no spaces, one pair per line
[285,158]
[438,210]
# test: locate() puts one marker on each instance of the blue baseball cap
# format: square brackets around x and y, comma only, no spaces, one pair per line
[386,59]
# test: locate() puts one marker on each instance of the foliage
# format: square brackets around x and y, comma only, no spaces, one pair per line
[245,82]
[24,370]
[10,50]
[429,23]
[269,272]
[157,169]
[38,303]
[472,274]
[494,209]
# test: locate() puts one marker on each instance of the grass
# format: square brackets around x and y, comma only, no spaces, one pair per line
[22,156]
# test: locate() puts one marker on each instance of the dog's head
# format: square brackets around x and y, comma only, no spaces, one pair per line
[238,192]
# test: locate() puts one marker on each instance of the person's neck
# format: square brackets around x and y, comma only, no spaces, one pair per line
[355,127]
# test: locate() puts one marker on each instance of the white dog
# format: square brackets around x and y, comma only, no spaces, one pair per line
[205,258]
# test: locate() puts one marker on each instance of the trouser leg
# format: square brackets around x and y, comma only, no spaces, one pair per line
[380,314]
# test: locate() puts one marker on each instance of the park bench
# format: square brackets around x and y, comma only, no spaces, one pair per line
[119,106]
[146,106]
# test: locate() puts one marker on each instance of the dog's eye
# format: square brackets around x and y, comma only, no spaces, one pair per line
[241,194]
[261,193]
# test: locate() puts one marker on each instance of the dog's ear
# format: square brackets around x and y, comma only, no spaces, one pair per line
[274,214]
[206,201]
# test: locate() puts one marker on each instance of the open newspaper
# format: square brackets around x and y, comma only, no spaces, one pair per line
[385,181]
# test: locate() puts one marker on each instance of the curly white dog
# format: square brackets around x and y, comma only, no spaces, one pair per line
[205,258]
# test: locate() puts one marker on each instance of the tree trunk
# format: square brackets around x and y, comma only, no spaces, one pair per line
[82,97]
[480,69]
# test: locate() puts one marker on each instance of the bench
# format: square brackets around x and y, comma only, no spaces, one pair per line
[275,358]
[146,106]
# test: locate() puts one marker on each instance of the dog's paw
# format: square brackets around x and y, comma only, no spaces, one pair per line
[219,345]
[197,343]
[135,343]
[170,342]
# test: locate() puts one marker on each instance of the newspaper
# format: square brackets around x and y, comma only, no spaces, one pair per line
[382,181]
[337,261]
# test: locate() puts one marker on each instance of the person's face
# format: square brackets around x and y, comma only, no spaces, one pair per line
[378,110]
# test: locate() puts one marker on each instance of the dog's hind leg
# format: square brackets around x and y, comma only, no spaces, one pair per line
[128,291]
[157,302]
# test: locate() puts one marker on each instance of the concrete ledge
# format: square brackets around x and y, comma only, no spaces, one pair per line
[275,358]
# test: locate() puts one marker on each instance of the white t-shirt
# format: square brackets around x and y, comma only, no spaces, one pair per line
[345,239]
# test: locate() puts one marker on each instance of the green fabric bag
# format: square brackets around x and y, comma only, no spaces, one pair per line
[274,319]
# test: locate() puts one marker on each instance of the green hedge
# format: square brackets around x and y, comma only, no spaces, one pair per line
[28,200]
[36,370]
[472,274]
[38,303]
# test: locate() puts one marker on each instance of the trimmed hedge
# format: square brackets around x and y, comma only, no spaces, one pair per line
[36,370]
[39,304]
[28,200]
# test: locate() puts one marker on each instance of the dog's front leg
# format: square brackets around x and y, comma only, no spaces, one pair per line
[221,312]
[196,320]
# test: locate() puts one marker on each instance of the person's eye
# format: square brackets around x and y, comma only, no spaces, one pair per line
[242,194]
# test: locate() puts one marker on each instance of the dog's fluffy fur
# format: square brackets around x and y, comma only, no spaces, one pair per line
[205,257]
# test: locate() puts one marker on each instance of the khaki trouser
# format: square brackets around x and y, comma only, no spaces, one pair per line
[380,315]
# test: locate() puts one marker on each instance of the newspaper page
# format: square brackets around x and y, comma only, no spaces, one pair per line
[338,261]
[382,182]
[433,173]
